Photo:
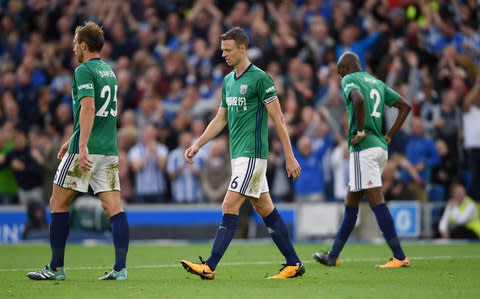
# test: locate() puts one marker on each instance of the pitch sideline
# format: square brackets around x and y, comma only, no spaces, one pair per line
[359,260]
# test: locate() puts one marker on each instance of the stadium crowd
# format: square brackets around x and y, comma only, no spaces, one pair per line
[167,59]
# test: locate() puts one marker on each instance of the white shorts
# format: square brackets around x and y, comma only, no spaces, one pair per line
[248,176]
[103,176]
[366,168]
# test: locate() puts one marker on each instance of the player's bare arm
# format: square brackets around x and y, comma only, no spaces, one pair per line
[87,117]
[213,129]
[291,164]
[359,109]
[403,110]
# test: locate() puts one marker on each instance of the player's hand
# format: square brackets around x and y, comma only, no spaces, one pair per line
[355,139]
[63,150]
[191,152]
[293,168]
[388,139]
[84,160]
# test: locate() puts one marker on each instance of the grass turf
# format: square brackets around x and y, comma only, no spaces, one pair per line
[437,271]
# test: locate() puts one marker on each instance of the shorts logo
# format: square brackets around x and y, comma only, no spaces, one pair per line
[73,184]
[243,89]
[370,183]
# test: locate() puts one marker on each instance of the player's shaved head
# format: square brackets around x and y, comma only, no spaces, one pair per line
[348,63]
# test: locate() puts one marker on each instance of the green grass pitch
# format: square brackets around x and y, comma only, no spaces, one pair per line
[437,271]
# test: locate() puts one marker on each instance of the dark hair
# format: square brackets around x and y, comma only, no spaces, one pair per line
[92,35]
[238,35]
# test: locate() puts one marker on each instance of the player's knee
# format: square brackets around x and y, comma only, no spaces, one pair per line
[264,210]
[111,208]
[230,207]
[58,205]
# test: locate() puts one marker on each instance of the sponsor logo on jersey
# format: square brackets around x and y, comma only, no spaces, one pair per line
[237,102]
[86,86]
[243,89]
[270,89]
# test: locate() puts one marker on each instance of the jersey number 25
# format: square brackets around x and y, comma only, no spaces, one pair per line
[107,93]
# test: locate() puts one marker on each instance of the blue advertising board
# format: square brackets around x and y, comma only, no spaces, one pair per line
[406,215]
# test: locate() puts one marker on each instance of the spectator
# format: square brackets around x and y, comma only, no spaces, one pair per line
[185,177]
[26,169]
[310,186]
[420,151]
[447,171]
[172,102]
[429,107]
[36,218]
[281,188]
[8,184]
[339,162]
[449,124]
[44,149]
[216,171]
[148,160]
[317,41]
[126,139]
[25,94]
[460,218]
[471,116]
[393,187]
[349,41]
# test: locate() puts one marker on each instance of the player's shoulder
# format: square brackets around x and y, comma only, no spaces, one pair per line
[82,68]
[255,70]
[360,77]
[229,75]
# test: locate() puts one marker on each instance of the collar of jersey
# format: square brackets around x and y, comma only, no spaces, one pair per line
[246,70]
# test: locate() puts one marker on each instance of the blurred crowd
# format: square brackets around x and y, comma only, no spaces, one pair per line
[167,59]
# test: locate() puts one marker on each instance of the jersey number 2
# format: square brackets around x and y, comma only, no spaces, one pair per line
[107,93]
[375,95]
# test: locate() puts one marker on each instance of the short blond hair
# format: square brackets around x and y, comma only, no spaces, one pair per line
[92,35]
[236,34]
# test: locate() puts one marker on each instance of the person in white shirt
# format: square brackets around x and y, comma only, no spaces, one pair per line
[148,160]
[460,218]
[471,115]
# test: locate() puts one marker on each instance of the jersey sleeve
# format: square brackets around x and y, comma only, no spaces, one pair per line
[266,89]
[391,96]
[84,80]
[224,96]
[348,84]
